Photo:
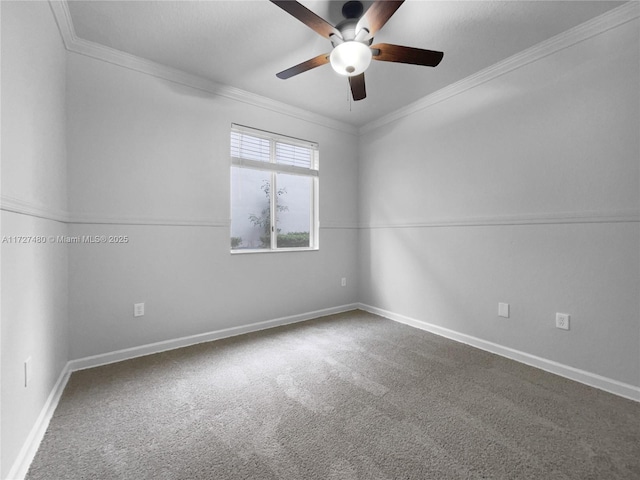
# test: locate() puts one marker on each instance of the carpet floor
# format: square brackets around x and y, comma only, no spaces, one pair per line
[350,396]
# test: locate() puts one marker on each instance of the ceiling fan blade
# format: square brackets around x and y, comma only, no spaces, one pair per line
[304,66]
[377,15]
[357,87]
[306,16]
[398,53]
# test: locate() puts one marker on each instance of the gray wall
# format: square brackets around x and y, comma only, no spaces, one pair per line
[34,276]
[146,155]
[496,194]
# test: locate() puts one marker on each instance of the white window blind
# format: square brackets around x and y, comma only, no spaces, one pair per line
[270,151]
[249,147]
[294,155]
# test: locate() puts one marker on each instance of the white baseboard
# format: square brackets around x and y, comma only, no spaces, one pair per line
[603,383]
[32,443]
[128,353]
[30,447]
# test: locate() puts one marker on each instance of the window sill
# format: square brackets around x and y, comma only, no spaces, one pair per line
[279,250]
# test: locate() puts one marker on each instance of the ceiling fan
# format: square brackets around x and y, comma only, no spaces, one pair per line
[351,40]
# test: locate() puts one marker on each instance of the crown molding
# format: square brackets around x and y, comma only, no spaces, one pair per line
[612,216]
[611,19]
[80,46]
[600,24]
[62,17]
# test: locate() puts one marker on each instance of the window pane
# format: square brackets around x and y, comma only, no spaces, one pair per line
[250,209]
[249,147]
[293,210]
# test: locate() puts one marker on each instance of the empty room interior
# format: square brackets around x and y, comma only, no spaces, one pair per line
[227,255]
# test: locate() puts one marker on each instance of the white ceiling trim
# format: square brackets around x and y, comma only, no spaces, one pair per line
[100,52]
[611,19]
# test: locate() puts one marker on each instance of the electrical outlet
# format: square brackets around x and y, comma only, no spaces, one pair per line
[344,281]
[27,371]
[503,310]
[138,309]
[562,320]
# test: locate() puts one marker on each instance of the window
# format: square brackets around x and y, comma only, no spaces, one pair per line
[274,192]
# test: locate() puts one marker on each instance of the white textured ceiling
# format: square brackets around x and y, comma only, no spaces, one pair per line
[245,43]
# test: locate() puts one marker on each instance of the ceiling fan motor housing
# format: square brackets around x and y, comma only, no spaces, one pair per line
[347,29]
[352,9]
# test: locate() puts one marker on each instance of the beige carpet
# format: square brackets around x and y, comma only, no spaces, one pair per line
[351,396]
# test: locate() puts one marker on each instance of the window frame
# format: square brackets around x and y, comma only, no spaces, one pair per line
[274,168]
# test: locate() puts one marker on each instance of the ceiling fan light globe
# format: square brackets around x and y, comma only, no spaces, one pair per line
[350,58]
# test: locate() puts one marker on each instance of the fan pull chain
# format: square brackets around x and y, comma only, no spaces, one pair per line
[349,94]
